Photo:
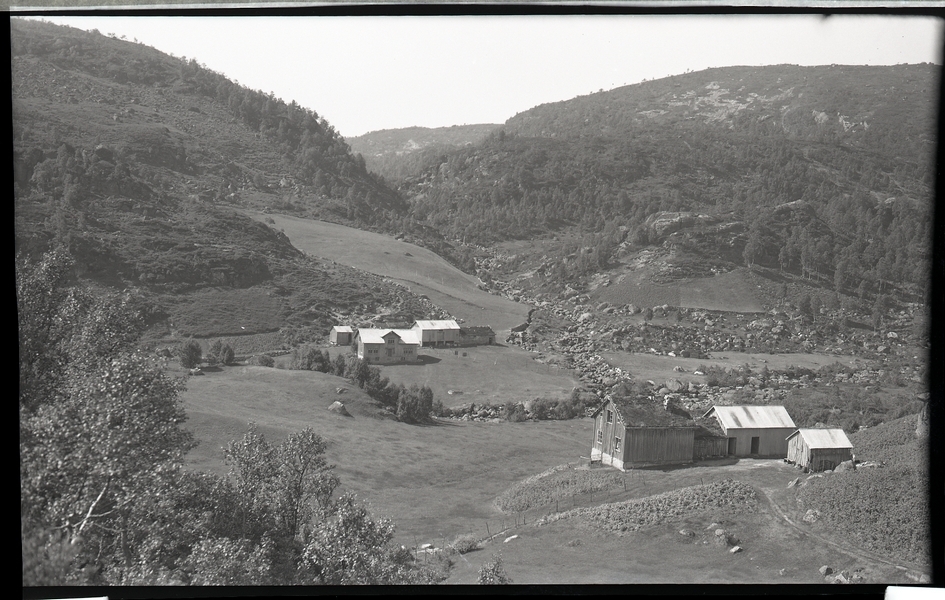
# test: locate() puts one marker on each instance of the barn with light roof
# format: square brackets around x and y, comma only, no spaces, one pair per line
[759,431]
[819,449]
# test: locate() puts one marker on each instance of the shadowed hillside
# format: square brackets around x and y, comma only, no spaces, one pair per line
[136,162]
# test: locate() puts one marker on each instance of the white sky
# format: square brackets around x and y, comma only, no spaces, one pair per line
[381,72]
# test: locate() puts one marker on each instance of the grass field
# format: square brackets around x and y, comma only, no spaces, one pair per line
[435,481]
[418,268]
[660,368]
[438,482]
[512,375]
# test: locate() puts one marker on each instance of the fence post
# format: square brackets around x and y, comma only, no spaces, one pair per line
[489,533]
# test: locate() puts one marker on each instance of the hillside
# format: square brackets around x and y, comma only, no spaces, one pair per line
[138,162]
[394,153]
[824,173]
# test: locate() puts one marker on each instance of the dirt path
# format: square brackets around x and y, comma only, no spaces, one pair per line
[854,552]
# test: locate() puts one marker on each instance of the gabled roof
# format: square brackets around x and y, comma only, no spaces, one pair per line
[446,324]
[343,329]
[376,336]
[752,417]
[823,438]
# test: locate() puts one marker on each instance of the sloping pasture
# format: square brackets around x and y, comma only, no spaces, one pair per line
[421,270]
[434,481]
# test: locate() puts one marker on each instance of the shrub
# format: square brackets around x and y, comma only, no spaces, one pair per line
[465,543]
[311,359]
[492,572]
[220,353]
[190,353]
[557,409]
[262,360]
[515,412]
[414,405]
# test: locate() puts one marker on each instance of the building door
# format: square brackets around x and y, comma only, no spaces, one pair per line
[731,446]
[755,443]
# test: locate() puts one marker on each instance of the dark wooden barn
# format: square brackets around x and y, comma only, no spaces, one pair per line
[628,435]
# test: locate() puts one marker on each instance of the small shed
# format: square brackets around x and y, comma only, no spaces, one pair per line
[628,435]
[341,335]
[819,449]
[754,430]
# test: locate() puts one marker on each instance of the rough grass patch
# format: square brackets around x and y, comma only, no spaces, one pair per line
[556,484]
[632,515]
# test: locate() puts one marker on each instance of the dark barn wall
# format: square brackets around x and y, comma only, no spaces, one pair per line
[657,446]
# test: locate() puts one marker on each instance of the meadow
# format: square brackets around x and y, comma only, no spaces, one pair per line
[443,481]
[419,269]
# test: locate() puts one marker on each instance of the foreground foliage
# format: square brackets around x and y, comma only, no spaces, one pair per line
[105,499]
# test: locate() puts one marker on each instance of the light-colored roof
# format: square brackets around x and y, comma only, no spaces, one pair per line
[376,336]
[342,329]
[449,324]
[752,417]
[823,438]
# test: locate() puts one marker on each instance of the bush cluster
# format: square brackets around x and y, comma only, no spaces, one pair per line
[465,543]
[262,360]
[632,515]
[220,353]
[557,409]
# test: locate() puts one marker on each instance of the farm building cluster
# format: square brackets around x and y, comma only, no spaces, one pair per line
[391,346]
[627,435]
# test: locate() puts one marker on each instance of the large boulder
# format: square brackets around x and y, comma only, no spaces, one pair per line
[339,408]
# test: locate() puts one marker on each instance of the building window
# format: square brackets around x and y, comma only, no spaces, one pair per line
[616,444]
[610,416]
[600,436]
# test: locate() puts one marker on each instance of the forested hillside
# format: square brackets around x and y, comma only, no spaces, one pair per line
[140,163]
[825,172]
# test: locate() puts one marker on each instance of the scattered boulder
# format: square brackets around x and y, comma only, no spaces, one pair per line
[825,570]
[735,549]
[509,539]
[687,532]
[811,516]
[340,390]
[196,371]
[339,408]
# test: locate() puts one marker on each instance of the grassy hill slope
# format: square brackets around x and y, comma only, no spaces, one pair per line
[138,162]
[422,271]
